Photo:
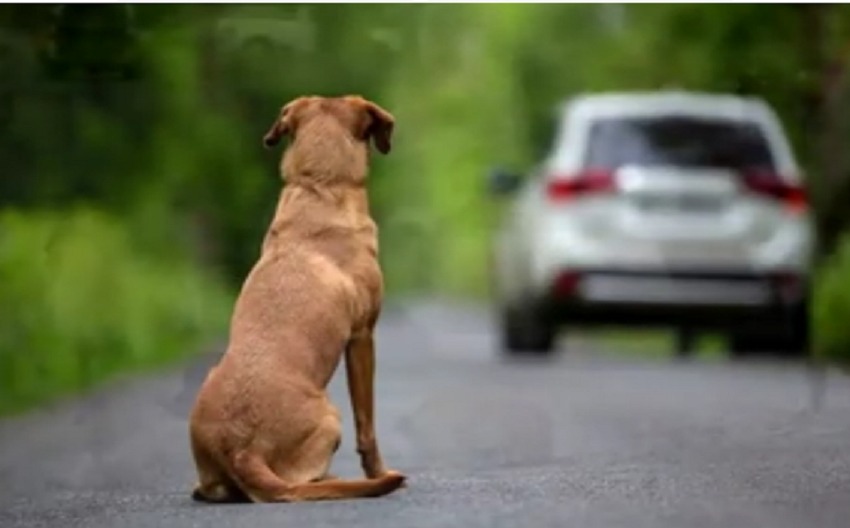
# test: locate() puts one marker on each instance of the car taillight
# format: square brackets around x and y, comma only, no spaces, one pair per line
[788,285]
[566,284]
[561,189]
[771,185]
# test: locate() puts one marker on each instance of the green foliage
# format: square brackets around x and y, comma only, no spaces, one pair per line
[437,217]
[172,153]
[831,307]
[80,304]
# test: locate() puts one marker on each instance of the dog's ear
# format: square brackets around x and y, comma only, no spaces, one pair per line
[379,126]
[282,126]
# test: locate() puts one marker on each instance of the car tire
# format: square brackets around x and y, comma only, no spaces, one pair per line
[685,339]
[524,331]
[753,344]
[793,343]
[796,345]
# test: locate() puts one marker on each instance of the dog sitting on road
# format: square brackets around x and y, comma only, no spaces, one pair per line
[263,428]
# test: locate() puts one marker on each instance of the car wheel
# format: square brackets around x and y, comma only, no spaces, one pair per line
[525,331]
[752,344]
[796,345]
[685,341]
[790,340]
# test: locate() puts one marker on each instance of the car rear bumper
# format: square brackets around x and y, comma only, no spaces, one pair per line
[699,299]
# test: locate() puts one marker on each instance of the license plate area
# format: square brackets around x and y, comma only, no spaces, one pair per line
[674,290]
[679,204]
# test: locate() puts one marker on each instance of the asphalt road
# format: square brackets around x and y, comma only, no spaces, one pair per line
[587,439]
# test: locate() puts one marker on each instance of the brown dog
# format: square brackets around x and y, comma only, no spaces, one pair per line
[263,428]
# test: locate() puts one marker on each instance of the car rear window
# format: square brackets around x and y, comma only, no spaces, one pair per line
[677,141]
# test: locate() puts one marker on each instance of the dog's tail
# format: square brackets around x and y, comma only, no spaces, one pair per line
[261,484]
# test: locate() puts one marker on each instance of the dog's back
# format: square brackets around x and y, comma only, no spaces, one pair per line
[316,284]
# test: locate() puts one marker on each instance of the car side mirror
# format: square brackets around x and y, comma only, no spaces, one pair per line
[502,182]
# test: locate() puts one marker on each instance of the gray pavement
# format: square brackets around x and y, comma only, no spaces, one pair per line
[586,439]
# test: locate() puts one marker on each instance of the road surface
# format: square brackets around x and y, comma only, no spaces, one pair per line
[585,440]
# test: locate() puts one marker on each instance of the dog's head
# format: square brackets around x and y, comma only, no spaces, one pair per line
[363,119]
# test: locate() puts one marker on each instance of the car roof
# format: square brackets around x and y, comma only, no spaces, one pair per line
[647,104]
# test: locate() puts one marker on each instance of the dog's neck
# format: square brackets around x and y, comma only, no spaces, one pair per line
[334,200]
[325,193]
[313,212]
[325,156]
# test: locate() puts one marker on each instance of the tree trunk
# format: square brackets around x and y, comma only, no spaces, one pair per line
[824,123]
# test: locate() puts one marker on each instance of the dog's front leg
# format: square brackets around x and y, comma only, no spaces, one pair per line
[360,370]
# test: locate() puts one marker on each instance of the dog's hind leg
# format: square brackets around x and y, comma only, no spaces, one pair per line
[216,487]
[326,475]
[213,484]
[306,479]
[218,491]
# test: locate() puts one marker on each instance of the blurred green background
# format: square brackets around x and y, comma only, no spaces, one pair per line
[134,191]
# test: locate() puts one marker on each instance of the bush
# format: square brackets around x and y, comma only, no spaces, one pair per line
[831,307]
[80,304]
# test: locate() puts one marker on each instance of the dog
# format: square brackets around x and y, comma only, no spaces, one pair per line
[263,428]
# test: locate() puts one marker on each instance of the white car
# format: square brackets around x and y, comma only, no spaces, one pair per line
[674,209]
